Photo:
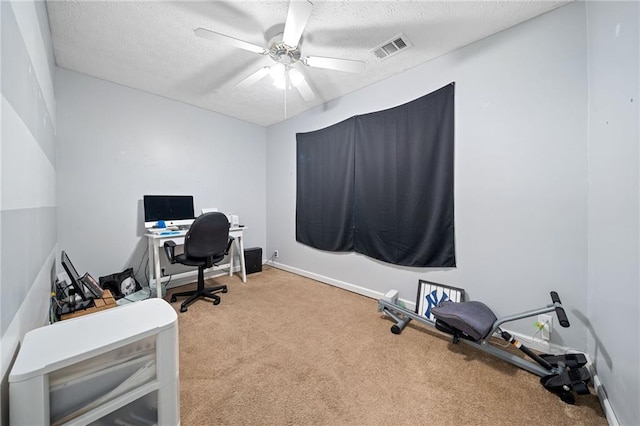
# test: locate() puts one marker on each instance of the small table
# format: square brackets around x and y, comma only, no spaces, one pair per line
[157,240]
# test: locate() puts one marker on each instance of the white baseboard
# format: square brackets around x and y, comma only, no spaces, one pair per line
[533,343]
[336,283]
[602,395]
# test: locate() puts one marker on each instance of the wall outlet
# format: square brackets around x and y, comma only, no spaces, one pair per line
[545,325]
[276,253]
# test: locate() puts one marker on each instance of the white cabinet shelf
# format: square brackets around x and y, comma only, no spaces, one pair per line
[118,366]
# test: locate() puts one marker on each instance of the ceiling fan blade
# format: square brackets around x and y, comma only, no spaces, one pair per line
[253,78]
[230,41]
[297,17]
[305,91]
[346,65]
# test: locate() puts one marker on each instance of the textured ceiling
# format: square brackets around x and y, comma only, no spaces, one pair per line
[151,46]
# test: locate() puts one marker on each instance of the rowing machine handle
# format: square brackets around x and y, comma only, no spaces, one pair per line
[562,316]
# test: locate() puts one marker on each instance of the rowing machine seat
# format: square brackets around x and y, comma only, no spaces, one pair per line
[474,319]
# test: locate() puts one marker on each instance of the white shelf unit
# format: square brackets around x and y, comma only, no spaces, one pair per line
[118,366]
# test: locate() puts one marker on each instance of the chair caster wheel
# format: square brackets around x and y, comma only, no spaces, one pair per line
[567,397]
[174,299]
[216,302]
[183,309]
[224,290]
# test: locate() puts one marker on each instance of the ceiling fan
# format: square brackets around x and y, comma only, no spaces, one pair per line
[283,48]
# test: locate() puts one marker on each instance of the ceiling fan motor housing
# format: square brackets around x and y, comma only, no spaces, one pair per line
[282,53]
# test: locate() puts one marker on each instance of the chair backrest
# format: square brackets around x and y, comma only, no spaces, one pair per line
[208,236]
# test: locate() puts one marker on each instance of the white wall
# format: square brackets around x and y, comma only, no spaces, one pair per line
[28,202]
[614,202]
[116,144]
[528,184]
[520,173]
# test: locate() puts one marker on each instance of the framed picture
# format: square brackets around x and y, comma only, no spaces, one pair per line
[430,294]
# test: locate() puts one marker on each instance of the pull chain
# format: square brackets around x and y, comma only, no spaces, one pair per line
[286,89]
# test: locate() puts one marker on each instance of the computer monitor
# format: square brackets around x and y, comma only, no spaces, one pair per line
[73,275]
[174,210]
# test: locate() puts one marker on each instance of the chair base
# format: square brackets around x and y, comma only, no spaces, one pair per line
[200,292]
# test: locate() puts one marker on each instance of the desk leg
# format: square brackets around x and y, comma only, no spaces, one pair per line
[244,271]
[231,255]
[156,264]
[150,261]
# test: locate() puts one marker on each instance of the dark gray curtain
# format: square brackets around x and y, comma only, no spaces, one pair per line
[398,205]
[324,198]
[404,182]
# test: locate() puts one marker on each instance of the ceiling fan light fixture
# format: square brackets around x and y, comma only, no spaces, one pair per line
[277,74]
[279,83]
[276,71]
[296,77]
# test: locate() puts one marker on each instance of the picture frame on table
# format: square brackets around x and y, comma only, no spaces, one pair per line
[430,294]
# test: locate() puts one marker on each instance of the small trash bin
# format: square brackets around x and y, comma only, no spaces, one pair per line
[253,259]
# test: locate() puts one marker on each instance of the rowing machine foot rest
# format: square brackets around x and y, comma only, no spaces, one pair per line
[567,360]
[563,383]
[473,319]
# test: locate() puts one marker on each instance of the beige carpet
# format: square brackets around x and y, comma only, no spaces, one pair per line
[286,350]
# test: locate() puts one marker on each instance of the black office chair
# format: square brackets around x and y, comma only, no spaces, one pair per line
[207,242]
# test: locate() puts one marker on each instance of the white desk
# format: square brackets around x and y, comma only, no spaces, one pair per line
[156,241]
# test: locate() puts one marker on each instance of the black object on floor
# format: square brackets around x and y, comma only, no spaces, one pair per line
[253,260]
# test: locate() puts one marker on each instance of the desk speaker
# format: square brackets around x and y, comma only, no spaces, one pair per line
[253,259]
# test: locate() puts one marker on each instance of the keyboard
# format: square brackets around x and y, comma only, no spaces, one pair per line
[163,231]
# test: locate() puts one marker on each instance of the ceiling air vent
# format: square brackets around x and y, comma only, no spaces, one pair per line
[391,47]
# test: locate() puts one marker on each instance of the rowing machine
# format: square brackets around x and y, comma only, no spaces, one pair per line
[474,323]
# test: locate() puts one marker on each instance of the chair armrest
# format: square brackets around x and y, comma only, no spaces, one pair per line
[169,247]
[229,245]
